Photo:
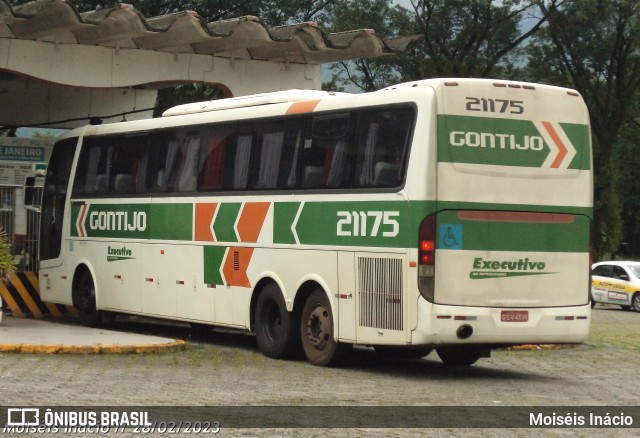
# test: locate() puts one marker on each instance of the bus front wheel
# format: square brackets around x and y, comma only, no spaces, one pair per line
[318,333]
[276,328]
[85,301]
[458,356]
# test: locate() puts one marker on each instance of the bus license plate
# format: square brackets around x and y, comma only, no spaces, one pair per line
[514,316]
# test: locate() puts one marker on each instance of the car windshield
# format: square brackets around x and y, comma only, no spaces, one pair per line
[635,269]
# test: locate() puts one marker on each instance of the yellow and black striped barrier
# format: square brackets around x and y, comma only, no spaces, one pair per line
[21,295]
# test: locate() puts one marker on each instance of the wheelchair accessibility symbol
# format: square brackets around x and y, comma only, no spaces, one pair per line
[451,236]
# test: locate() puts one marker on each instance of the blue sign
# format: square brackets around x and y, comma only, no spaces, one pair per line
[451,236]
[22,153]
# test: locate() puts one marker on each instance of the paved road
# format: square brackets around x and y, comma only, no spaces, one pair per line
[227,369]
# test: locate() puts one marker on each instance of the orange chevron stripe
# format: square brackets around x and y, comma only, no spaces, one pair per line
[235,266]
[562,153]
[251,220]
[305,106]
[204,213]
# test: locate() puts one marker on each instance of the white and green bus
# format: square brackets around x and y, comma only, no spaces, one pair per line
[447,214]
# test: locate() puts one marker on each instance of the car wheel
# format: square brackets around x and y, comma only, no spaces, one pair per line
[635,302]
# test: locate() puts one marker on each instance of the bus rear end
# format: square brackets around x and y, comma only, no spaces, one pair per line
[505,259]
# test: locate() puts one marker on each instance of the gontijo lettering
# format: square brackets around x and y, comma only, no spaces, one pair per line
[118,221]
[493,141]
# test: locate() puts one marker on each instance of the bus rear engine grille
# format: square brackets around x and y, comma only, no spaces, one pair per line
[380,290]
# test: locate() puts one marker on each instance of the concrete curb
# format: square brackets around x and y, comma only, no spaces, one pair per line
[92,349]
[542,347]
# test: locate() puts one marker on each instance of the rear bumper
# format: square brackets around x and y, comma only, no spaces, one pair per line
[438,325]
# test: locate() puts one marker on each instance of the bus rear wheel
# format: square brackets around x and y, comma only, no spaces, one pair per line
[85,301]
[276,328]
[318,333]
[459,356]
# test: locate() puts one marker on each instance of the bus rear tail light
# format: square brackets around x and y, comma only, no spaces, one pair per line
[427,257]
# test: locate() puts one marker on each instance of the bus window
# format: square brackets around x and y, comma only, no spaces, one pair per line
[173,163]
[212,169]
[94,165]
[382,143]
[326,159]
[276,165]
[129,162]
[238,162]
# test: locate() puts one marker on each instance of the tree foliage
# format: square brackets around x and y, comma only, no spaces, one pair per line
[594,47]
[460,38]
[7,263]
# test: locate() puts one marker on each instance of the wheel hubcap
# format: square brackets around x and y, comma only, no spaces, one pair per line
[317,326]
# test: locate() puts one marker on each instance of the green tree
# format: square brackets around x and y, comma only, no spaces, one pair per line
[460,38]
[629,175]
[594,47]
[7,263]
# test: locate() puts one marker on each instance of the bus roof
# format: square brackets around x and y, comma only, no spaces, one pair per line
[249,101]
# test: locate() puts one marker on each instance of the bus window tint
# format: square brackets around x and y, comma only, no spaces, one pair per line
[224,159]
[93,167]
[326,159]
[181,163]
[276,164]
[211,167]
[238,162]
[114,164]
[382,145]
[129,161]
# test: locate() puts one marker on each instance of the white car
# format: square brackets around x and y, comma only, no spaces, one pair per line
[616,283]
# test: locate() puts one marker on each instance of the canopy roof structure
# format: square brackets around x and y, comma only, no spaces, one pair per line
[57,65]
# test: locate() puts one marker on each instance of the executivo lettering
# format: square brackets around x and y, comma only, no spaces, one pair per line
[506,268]
[115,254]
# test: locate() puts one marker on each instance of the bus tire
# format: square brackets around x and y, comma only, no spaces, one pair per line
[276,329]
[458,356]
[635,302]
[85,301]
[318,333]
